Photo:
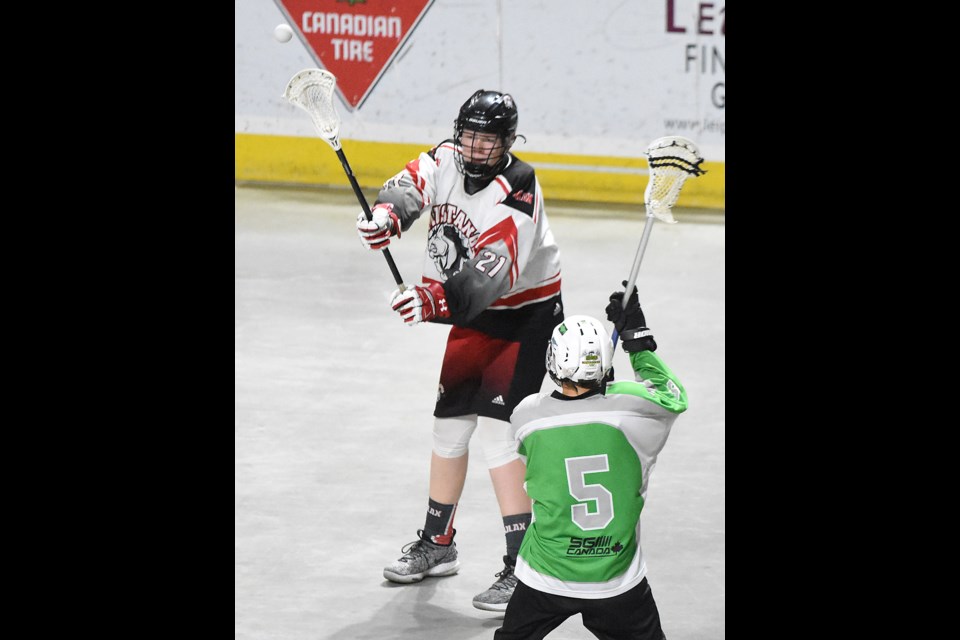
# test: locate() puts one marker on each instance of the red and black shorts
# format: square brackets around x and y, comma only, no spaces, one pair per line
[496,361]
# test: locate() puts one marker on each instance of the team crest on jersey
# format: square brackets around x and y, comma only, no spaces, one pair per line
[448,250]
[450,239]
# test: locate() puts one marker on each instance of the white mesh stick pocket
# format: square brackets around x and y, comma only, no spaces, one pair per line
[672,160]
[312,91]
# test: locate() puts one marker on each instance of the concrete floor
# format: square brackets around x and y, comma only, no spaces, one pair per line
[333,411]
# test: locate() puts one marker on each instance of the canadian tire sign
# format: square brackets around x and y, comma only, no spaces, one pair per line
[355,40]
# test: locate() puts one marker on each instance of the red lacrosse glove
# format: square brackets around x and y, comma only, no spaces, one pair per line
[420,304]
[376,233]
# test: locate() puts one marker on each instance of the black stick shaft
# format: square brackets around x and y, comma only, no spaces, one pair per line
[366,211]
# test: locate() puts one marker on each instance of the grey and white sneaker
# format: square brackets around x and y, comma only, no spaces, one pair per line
[498,595]
[422,558]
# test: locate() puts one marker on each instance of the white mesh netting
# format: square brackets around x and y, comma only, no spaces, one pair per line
[672,160]
[312,91]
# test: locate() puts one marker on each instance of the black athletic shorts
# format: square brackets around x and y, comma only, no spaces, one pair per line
[497,360]
[532,614]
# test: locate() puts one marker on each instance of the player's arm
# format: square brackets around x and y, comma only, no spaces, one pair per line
[482,280]
[400,202]
[659,383]
[662,385]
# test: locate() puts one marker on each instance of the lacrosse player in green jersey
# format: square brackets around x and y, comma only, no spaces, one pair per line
[590,449]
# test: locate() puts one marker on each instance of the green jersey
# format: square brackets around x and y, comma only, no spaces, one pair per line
[589,460]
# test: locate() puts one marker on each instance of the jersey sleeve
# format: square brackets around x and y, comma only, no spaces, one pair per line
[525,410]
[412,190]
[655,381]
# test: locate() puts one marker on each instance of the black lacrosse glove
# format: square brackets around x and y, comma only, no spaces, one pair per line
[630,324]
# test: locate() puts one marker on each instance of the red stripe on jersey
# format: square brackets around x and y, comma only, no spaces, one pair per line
[504,230]
[413,168]
[503,185]
[530,295]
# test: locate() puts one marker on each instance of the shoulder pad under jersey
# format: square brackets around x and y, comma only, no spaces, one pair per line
[523,186]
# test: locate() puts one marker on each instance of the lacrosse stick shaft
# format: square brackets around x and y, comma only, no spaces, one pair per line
[312,91]
[632,280]
[369,214]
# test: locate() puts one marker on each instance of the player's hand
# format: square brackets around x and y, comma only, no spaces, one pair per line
[376,233]
[420,304]
[630,324]
[631,317]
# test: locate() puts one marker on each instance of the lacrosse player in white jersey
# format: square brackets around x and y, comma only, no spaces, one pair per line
[491,270]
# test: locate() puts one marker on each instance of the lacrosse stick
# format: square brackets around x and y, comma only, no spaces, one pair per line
[312,91]
[672,160]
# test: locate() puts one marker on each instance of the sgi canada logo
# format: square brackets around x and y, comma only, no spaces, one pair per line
[598,546]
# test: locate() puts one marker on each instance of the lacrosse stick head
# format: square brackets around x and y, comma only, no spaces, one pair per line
[312,91]
[672,160]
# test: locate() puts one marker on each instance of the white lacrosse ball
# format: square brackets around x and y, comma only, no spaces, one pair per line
[283,33]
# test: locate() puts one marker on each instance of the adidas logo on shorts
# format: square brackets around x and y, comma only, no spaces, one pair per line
[498,400]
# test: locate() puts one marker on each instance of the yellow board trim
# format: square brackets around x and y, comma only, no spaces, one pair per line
[291,160]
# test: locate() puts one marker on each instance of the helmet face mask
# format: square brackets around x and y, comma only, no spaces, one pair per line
[580,351]
[484,131]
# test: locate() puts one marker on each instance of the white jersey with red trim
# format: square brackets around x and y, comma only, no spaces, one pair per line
[490,250]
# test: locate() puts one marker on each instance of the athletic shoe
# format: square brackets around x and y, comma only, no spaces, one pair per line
[498,595]
[422,558]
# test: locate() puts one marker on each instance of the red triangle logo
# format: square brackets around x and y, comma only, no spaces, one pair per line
[355,40]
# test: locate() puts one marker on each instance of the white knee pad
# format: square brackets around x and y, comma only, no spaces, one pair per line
[498,447]
[451,436]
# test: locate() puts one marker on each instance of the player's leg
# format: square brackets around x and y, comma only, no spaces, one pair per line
[434,553]
[505,467]
[506,473]
[508,478]
[532,614]
[447,477]
[516,371]
[448,474]
[453,426]
[629,616]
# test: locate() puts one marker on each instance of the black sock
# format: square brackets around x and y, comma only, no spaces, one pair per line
[438,527]
[514,527]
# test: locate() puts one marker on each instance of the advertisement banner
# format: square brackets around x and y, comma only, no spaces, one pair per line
[355,40]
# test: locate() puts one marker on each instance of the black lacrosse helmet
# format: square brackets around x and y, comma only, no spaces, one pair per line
[486,112]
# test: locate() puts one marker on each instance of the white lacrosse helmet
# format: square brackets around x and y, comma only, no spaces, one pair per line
[581,351]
